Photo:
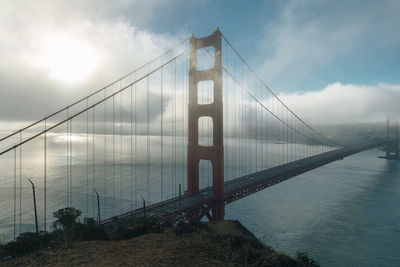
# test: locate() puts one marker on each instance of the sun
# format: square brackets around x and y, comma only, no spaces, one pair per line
[69,60]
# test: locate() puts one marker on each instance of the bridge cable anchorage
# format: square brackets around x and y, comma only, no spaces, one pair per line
[96,92]
[266,86]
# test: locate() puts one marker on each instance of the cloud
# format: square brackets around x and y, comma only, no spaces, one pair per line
[28,88]
[346,103]
[306,37]
[313,41]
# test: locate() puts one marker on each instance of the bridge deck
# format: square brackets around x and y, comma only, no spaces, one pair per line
[245,185]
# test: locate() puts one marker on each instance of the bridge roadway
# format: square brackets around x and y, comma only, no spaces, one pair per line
[190,206]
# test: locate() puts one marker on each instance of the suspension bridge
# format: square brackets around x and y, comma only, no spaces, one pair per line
[182,136]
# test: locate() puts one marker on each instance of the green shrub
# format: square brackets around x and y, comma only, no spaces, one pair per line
[90,230]
[192,227]
[305,261]
[140,227]
[25,243]
[276,259]
[66,218]
[66,229]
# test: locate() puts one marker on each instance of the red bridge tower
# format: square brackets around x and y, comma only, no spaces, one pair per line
[214,110]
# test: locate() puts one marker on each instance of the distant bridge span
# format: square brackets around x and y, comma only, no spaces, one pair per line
[194,207]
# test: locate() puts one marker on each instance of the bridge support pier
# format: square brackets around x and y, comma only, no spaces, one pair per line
[214,110]
[392,146]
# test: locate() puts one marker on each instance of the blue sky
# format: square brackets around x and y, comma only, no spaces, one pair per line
[313,49]
[355,41]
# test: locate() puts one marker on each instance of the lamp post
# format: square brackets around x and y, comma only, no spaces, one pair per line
[144,206]
[34,205]
[98,204]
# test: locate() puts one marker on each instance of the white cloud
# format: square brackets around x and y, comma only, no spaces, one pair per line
[346,103]
[312,38]
[28,27]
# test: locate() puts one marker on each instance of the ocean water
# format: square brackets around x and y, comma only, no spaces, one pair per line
[346,213]
[123,170]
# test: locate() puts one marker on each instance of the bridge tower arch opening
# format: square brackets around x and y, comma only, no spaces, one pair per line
[215,152]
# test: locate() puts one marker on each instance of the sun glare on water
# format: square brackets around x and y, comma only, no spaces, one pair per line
[68,60]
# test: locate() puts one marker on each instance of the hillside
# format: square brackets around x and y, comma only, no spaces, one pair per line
[224,243]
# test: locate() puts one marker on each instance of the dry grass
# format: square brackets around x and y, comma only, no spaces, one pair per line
[164,249]
[214,245]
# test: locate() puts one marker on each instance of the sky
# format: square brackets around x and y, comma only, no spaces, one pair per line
[330,61]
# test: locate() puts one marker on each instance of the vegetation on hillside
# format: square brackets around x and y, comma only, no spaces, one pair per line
[144,242]
[65,230]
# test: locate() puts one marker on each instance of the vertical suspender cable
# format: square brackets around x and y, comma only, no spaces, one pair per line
[87,158]
[70,164]
[283,134]
[67,142]
[274,131]
[105,154]
[113,156]
[20,182]
[291,137]
[121,157]
[209,124]
[227,148]
[235,130]
[93,158]
[131,149]
[266,135]
[162,133]
[148,139]
[236,163]
[173,129]
[183,122]
[135,144]
[260,132]
[15,192]
[287,136]
[256,120]
[243,129]
[45,177]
